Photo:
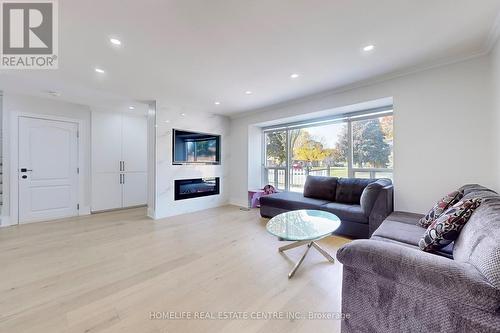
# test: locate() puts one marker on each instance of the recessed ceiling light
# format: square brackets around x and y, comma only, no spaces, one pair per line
[217,103]
[294,76]
[115,41]
[183,114]
[131,107]
[248,92]
[54,93]
[99,70]
[370,47]
[167,121]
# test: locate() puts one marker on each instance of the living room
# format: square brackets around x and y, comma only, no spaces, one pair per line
[250,166]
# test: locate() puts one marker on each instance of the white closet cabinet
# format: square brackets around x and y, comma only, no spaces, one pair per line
[119,160]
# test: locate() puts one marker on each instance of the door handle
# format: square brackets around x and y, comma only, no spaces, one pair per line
[25,170]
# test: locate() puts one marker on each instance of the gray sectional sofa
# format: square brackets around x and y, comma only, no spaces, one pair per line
[361,204]
[390,285]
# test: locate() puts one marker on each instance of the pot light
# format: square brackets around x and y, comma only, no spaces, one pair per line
[131,107]
[217,103]
[294,76]
[54,93]
[99,70]
[183,114]
[368,48]
[248,92]
[167,121]
[115,41]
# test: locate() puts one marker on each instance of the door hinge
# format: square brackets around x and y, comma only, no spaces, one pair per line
[77,206]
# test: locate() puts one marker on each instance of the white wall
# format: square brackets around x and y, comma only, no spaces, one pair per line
[166,173]
[14,104]
[443,126]
[495,64]
[151,112]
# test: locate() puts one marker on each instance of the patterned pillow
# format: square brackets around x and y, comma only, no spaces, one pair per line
[447,227]
[441,206]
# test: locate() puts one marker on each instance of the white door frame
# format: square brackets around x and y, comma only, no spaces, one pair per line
[14,159]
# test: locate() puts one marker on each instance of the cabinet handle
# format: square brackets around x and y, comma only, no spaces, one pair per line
[120,178]
[123,165]
[123,179]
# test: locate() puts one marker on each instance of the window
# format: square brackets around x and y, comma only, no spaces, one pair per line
[358,145]
[276,158]
[317,150]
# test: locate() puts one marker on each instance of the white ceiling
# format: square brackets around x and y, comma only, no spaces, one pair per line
[187,54]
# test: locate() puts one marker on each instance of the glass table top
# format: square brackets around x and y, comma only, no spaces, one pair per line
[300,225]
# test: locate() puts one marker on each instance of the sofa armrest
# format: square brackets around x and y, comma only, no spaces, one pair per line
[426,271]
[383,207]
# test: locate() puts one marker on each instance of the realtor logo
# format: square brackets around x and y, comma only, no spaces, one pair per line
[29,34]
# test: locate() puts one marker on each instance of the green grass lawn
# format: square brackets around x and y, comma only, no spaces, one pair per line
[338,172]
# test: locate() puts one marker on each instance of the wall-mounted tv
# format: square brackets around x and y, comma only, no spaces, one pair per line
[194,147]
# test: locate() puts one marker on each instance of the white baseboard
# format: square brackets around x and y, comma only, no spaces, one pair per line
[5,221]
[239,203]
[84,210]
[151,213]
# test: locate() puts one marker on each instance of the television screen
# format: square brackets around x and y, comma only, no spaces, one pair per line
[193,147]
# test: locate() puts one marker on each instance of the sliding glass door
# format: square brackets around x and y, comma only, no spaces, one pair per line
[352,146]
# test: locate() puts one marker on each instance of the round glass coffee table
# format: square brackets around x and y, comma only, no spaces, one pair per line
[303,227]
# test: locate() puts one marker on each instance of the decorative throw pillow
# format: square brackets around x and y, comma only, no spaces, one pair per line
[447,227]
[269,189]
[441,206]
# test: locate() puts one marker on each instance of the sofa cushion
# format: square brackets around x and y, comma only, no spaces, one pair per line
[319,187]
[370,194]
[475,188]
[404,217]
[349,190]
[440,207]
[479,241]
[291,201]
[447,227]
[346,212]
[401,227]
[399,231]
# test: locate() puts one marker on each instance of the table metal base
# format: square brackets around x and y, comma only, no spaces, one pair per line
[309,244]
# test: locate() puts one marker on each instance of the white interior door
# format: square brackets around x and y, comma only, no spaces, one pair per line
[48,162]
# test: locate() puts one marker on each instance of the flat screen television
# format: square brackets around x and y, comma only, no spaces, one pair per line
[194,147]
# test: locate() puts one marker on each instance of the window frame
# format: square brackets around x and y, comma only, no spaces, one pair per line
[347,118]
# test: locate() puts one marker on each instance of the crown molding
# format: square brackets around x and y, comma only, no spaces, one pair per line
[360,84]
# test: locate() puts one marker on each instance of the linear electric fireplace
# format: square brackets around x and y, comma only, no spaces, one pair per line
[197,187]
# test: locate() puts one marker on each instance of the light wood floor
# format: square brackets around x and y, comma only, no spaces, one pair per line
[107,273]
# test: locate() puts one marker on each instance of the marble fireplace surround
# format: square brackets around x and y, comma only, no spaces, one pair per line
[167,172]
